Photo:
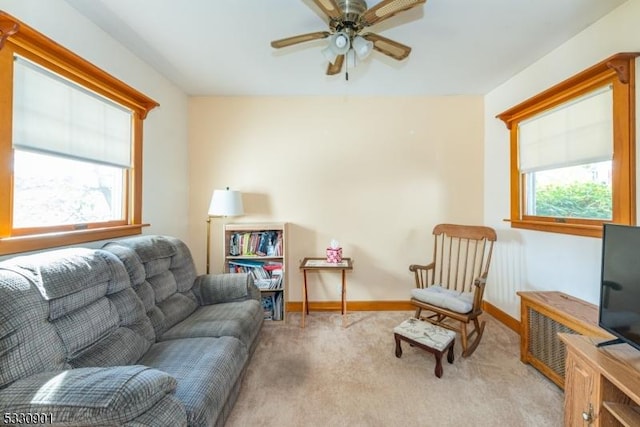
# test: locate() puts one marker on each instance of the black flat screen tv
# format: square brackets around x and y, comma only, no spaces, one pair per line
[619,311]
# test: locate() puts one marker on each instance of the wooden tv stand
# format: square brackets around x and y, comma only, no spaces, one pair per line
[602,384]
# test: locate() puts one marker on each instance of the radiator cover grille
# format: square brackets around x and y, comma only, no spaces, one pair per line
[543,342]
[544,315]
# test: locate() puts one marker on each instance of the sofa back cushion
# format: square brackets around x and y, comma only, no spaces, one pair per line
[162,272]
[68,308]
[29,343]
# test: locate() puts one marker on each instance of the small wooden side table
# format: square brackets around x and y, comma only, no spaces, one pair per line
[315,264]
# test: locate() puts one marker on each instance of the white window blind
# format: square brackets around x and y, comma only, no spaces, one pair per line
[578,132]
[56,116]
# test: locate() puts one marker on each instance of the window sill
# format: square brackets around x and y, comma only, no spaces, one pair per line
[13,245]
[586,230]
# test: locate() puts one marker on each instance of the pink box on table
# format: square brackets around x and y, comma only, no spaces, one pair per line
[334,255]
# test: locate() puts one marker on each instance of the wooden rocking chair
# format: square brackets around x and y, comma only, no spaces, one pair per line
[452,286]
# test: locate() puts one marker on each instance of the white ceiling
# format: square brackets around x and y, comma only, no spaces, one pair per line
[221,47]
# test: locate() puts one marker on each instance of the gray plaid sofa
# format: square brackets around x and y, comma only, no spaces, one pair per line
[124,335]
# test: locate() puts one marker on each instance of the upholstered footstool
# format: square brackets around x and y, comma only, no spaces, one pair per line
[427,336]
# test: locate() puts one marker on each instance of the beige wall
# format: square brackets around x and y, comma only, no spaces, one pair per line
[375,173]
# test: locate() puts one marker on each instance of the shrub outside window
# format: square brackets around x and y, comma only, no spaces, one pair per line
[573,152]
[583,191]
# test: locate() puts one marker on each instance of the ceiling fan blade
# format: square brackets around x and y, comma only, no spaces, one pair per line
[335,68]
[329,7]
[299,39]
[386,9]
[388,47]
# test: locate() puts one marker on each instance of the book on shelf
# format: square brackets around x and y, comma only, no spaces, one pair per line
[268,306]
[256,243]
[266,274]
[272,306]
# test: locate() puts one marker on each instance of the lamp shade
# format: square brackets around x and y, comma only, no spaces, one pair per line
[226,203]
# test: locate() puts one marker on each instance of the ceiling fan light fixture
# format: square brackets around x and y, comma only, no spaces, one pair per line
[329,54]
[340,43]
[362,47]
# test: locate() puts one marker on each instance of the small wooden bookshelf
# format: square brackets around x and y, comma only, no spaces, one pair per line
[260,249]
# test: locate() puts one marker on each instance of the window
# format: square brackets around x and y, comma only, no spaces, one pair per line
[565,157]
[70,146]
[572,152]
[52,191]
[72,149]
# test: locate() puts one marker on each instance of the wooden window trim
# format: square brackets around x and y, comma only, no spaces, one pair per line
[18,38]
[619,71]
[11,245]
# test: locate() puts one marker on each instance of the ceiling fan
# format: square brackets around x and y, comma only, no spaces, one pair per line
[347,20]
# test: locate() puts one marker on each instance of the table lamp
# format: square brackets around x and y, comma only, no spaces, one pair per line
[223,203]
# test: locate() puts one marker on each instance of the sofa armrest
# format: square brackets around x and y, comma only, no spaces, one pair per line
[226,287]
[86,396]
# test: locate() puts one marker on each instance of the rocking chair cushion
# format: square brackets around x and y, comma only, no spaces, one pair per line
[460,302]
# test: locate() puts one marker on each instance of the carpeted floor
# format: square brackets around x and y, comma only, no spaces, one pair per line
[326,375]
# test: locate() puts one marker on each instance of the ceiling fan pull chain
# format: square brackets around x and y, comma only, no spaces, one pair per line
[346,67]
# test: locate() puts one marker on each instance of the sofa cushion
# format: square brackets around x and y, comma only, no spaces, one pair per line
[164,284]
[89,396]
[169,411]
[29,343]
[206,369]
[123,324]
[234,319]
[122,347]
[132,262]
[87,325]
[162,272]
[151,248]
[215,288]
[126,343]
[63,306]
[61,272]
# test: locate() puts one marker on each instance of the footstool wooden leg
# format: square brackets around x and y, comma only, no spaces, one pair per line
[438,371]
[450,352]
[398,348]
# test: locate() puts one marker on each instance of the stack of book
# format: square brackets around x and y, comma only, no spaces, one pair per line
[258,243]
[266,274]
[272,306]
